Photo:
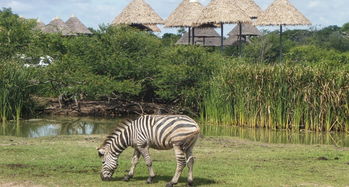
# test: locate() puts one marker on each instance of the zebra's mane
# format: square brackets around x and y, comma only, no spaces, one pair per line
[111,136]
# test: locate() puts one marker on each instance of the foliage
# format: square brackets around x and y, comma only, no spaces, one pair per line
[184,74]
[15,34]
[16,87]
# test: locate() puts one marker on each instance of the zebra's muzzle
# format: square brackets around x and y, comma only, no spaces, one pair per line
[105,178]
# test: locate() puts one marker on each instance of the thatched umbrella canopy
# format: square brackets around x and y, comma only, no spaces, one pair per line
[205,36]
[138,12]
[250,8]
[223,12]
[58,26]
[282,12]
[185,14]
[76,26]
[246,30]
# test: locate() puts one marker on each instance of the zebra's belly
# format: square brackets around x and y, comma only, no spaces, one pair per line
[157,147]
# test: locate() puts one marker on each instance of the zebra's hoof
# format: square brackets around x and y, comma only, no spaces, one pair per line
[150,180]
[170,184]
[127,178]
[190,183]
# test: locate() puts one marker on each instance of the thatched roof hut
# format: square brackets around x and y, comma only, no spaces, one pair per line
[222,11]
[282,12]
[39,25]
[138,12]
[235,40]
[204,36]
[246,30]
[58,26]
[250,8]
[185,14]
[76,26]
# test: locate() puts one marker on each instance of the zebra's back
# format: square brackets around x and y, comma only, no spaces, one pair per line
[163,131]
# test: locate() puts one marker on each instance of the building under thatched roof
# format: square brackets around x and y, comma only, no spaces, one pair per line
[185,14]
[250,8]
[138,12]
[205,36]
[223,11]
[76,26]
[58,26]
[235,40]
[246,30]
[282,12]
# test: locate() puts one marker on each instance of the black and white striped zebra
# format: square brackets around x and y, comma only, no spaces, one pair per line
[161,132]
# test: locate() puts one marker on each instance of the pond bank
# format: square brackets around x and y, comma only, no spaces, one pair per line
[221,161]
[112,108]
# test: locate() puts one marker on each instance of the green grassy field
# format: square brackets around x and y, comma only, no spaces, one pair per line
[73,161]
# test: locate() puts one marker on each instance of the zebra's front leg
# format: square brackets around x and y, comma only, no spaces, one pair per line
[180,158]
[148,162]
[134,162]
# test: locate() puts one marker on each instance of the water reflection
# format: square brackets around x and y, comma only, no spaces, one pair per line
[279,136]
[53,126]
[58,126]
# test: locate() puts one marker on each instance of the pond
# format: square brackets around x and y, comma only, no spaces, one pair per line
[53,126]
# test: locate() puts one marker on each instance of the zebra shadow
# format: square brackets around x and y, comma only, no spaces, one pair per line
[198,181]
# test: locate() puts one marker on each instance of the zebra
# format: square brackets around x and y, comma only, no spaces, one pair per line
[162,132]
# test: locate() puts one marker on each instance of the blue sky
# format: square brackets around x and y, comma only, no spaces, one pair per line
[94,12]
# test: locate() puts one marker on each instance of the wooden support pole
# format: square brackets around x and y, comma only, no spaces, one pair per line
[222,39]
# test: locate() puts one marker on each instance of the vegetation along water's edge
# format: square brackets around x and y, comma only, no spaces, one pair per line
[119,67]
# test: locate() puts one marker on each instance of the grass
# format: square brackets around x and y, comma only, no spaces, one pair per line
[73,161]
[283,96]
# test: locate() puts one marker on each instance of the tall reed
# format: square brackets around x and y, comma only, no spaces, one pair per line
[310,97]
[16,87]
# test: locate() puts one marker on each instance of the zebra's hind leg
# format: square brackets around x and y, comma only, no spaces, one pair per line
[134,161]
[180,158]
[190,164]
[148,162]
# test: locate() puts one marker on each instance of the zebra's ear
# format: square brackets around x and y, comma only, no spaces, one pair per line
[101,152]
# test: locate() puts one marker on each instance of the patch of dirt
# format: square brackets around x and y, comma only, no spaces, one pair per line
[322,158]
[15,166]
[20,184]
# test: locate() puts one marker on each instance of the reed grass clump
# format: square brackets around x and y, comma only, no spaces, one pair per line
[16,87]
[311,97]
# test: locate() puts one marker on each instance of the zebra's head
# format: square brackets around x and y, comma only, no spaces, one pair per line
[109,163]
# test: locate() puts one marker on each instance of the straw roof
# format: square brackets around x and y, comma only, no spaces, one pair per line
[153,28]
[39,25]
[246,30]
[282,12]
[185,14]
[234,40]
[205,32]
[203,41]
[76,26]
[138,12]
[57,26]
[250,8]
[223,11]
